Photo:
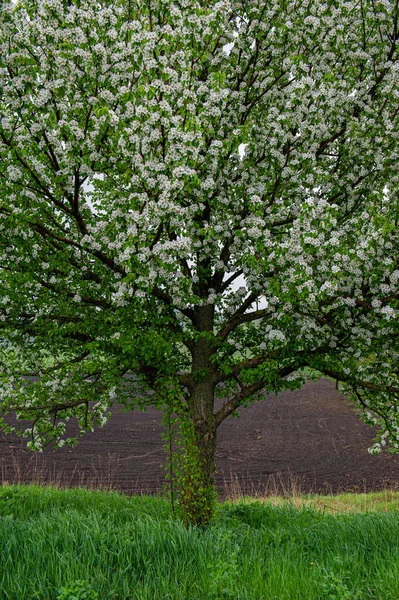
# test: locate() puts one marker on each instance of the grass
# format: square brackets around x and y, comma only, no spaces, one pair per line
[79,544]
[280,492]
[386,501]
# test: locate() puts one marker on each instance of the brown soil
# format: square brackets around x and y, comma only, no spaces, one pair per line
[308,440]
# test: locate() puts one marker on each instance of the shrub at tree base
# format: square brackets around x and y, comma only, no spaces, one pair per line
[198,200]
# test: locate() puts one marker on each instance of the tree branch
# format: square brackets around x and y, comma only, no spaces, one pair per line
[338,376]
[238,319]
[246,392]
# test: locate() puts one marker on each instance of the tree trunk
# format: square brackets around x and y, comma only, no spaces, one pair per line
[198,490]
[196,473]
[205,429]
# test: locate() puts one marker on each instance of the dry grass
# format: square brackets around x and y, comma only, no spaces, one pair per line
[289,490]
[34,469]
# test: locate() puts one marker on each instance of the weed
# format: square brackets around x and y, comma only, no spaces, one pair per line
[78,590]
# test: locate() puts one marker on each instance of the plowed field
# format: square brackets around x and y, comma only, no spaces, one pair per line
[309,439]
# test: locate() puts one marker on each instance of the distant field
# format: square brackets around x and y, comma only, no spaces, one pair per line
[81,545]
[308,441]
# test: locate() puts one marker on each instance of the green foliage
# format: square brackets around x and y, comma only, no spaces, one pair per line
[336,587]
[224,571]
[78,590]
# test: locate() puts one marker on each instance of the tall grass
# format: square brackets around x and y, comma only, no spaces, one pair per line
[120,548]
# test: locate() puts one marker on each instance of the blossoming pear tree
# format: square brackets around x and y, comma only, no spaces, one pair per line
[198,204]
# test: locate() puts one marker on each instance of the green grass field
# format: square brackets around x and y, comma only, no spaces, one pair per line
[84,545]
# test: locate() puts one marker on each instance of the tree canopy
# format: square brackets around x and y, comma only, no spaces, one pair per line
[198,199]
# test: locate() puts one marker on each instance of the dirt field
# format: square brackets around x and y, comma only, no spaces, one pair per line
[309,438]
